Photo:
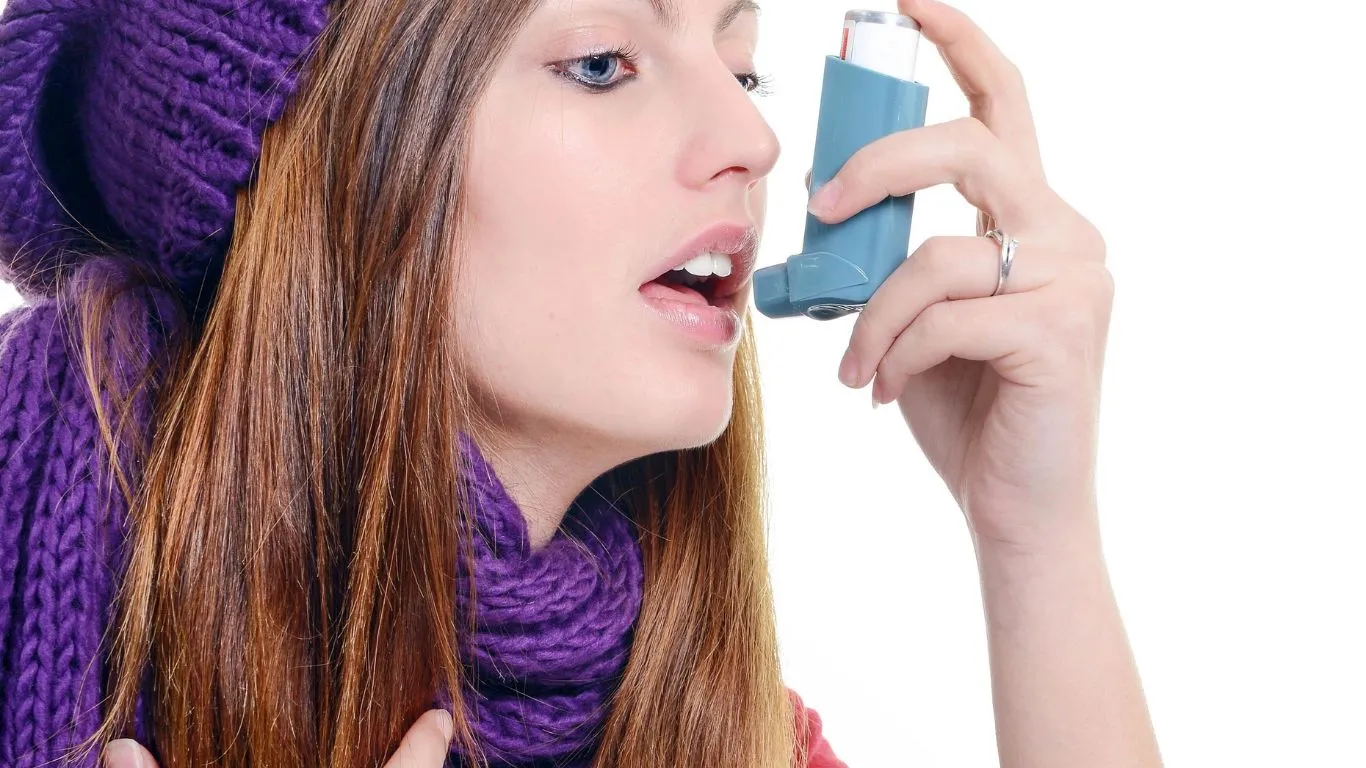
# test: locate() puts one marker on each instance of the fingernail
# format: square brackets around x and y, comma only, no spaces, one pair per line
[122,753]
[826,198]
[447,726]
[848,369]
[873,390]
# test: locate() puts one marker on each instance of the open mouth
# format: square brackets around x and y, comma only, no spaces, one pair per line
[683,286]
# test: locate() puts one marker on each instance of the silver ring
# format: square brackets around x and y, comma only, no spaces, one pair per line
[1008,245]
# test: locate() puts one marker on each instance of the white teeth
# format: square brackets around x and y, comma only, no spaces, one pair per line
[699,265]
[707,263]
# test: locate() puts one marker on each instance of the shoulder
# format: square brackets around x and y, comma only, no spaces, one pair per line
[810,733]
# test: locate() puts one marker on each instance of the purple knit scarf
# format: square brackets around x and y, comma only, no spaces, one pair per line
[554,626]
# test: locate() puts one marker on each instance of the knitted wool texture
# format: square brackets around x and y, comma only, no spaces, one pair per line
[554,626]
[139,120]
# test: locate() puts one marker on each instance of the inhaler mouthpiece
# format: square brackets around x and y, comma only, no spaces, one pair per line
[869,92]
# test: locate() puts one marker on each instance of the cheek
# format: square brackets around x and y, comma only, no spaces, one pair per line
[546,284]
[563,217]
[565,207]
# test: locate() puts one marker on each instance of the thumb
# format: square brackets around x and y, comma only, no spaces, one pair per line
[126,753]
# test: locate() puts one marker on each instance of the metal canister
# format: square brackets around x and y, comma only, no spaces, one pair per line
[881,41]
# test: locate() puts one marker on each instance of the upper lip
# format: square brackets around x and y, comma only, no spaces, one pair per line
[739,241]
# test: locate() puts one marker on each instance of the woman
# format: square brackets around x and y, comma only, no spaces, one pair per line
[372,353]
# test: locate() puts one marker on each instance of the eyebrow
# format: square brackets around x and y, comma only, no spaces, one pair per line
[666,11]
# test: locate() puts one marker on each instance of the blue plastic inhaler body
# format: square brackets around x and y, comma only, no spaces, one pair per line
[841,265]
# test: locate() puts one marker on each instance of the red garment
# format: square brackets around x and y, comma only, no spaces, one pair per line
[819,752]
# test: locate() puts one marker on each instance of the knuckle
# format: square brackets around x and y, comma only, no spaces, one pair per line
[858,164]
[1092,241]
[979,151]
[849,175]
[1014,77]
[1104,281]
[973,127]
[935,321]
[975,136]
[933,255]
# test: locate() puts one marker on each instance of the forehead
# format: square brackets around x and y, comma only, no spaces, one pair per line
[672,15]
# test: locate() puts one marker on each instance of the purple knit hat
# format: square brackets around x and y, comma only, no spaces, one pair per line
[138,120]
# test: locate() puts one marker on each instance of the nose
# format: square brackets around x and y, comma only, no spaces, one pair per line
[729,137]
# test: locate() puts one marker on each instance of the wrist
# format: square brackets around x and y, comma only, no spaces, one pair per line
[1050,539]
[1060,575]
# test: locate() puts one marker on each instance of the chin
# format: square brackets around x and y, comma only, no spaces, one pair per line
[692,420]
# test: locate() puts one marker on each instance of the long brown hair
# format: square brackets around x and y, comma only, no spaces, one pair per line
[295,513]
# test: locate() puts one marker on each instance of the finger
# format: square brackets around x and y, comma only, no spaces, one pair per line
[961,152]
[426,743]
[126,753]
[992,83]
[943,268]
[997,329]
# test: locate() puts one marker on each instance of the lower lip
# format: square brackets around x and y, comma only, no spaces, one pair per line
[716,327]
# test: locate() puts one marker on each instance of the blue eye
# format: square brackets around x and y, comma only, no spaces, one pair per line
[596,72]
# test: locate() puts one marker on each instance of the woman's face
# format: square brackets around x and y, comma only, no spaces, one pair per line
[577,198]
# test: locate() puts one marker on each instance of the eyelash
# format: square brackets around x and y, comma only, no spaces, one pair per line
[759,86]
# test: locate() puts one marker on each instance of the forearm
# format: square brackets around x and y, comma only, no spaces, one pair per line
[1064,685]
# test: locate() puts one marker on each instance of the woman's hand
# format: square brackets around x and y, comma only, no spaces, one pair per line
[1000,392]
[424,746]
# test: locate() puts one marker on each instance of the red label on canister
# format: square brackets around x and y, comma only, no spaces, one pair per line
[881,41]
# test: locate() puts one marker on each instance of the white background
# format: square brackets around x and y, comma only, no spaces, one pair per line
[1217,147]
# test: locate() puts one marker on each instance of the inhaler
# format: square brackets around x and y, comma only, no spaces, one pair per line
[868,92]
